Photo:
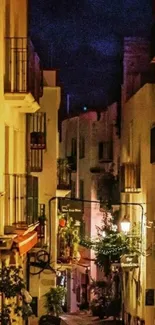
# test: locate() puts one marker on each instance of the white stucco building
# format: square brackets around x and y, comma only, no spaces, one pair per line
[91,143]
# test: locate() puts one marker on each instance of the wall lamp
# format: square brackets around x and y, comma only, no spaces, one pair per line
[125,225]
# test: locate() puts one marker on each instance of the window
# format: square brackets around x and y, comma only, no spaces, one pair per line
[81,189]
[32,199]
[82,147]
[152,149]
[73,189]
[100,150]
[105,151]
[73,147]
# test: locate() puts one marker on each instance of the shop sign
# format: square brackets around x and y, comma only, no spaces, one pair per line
[74,208]
[129,261]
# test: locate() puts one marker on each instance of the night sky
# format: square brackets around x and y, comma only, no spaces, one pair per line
[83,39]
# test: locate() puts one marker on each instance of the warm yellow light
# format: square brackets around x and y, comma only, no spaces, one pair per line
[125,225]
[103,234]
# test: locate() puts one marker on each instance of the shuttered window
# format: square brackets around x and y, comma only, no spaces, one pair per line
[32,199]
[130,178]
[105,151]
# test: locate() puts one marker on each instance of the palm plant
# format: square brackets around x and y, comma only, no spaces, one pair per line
[54,300]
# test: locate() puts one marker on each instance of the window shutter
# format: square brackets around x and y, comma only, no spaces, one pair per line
[130,178]
[32,199]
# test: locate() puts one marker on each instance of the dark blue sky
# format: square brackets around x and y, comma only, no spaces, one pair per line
[84,40]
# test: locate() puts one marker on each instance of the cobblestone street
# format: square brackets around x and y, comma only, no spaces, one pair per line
[87,320]
[81,319]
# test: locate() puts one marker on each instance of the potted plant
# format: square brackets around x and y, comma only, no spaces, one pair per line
[68,240]
[54,300]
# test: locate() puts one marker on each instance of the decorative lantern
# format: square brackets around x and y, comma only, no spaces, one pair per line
[125,225]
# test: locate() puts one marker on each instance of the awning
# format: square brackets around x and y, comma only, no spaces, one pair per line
[26,242]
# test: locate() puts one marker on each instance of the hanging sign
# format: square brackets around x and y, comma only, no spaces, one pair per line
[74,208]
[129,261]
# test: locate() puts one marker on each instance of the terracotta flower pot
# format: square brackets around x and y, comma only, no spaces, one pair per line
[62,222]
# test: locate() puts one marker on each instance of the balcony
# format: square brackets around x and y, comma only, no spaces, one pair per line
[23,82]
[63,175]
[20,202]
[130,178]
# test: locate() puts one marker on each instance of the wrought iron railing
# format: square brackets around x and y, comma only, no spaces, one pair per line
[37,130]
[21,199]
[36,160]
[23,72]
[130,178]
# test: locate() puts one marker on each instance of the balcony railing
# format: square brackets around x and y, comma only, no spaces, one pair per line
[63,175]
[37,130]
[21,200]
[23,73]
[130,178]
[36,160]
